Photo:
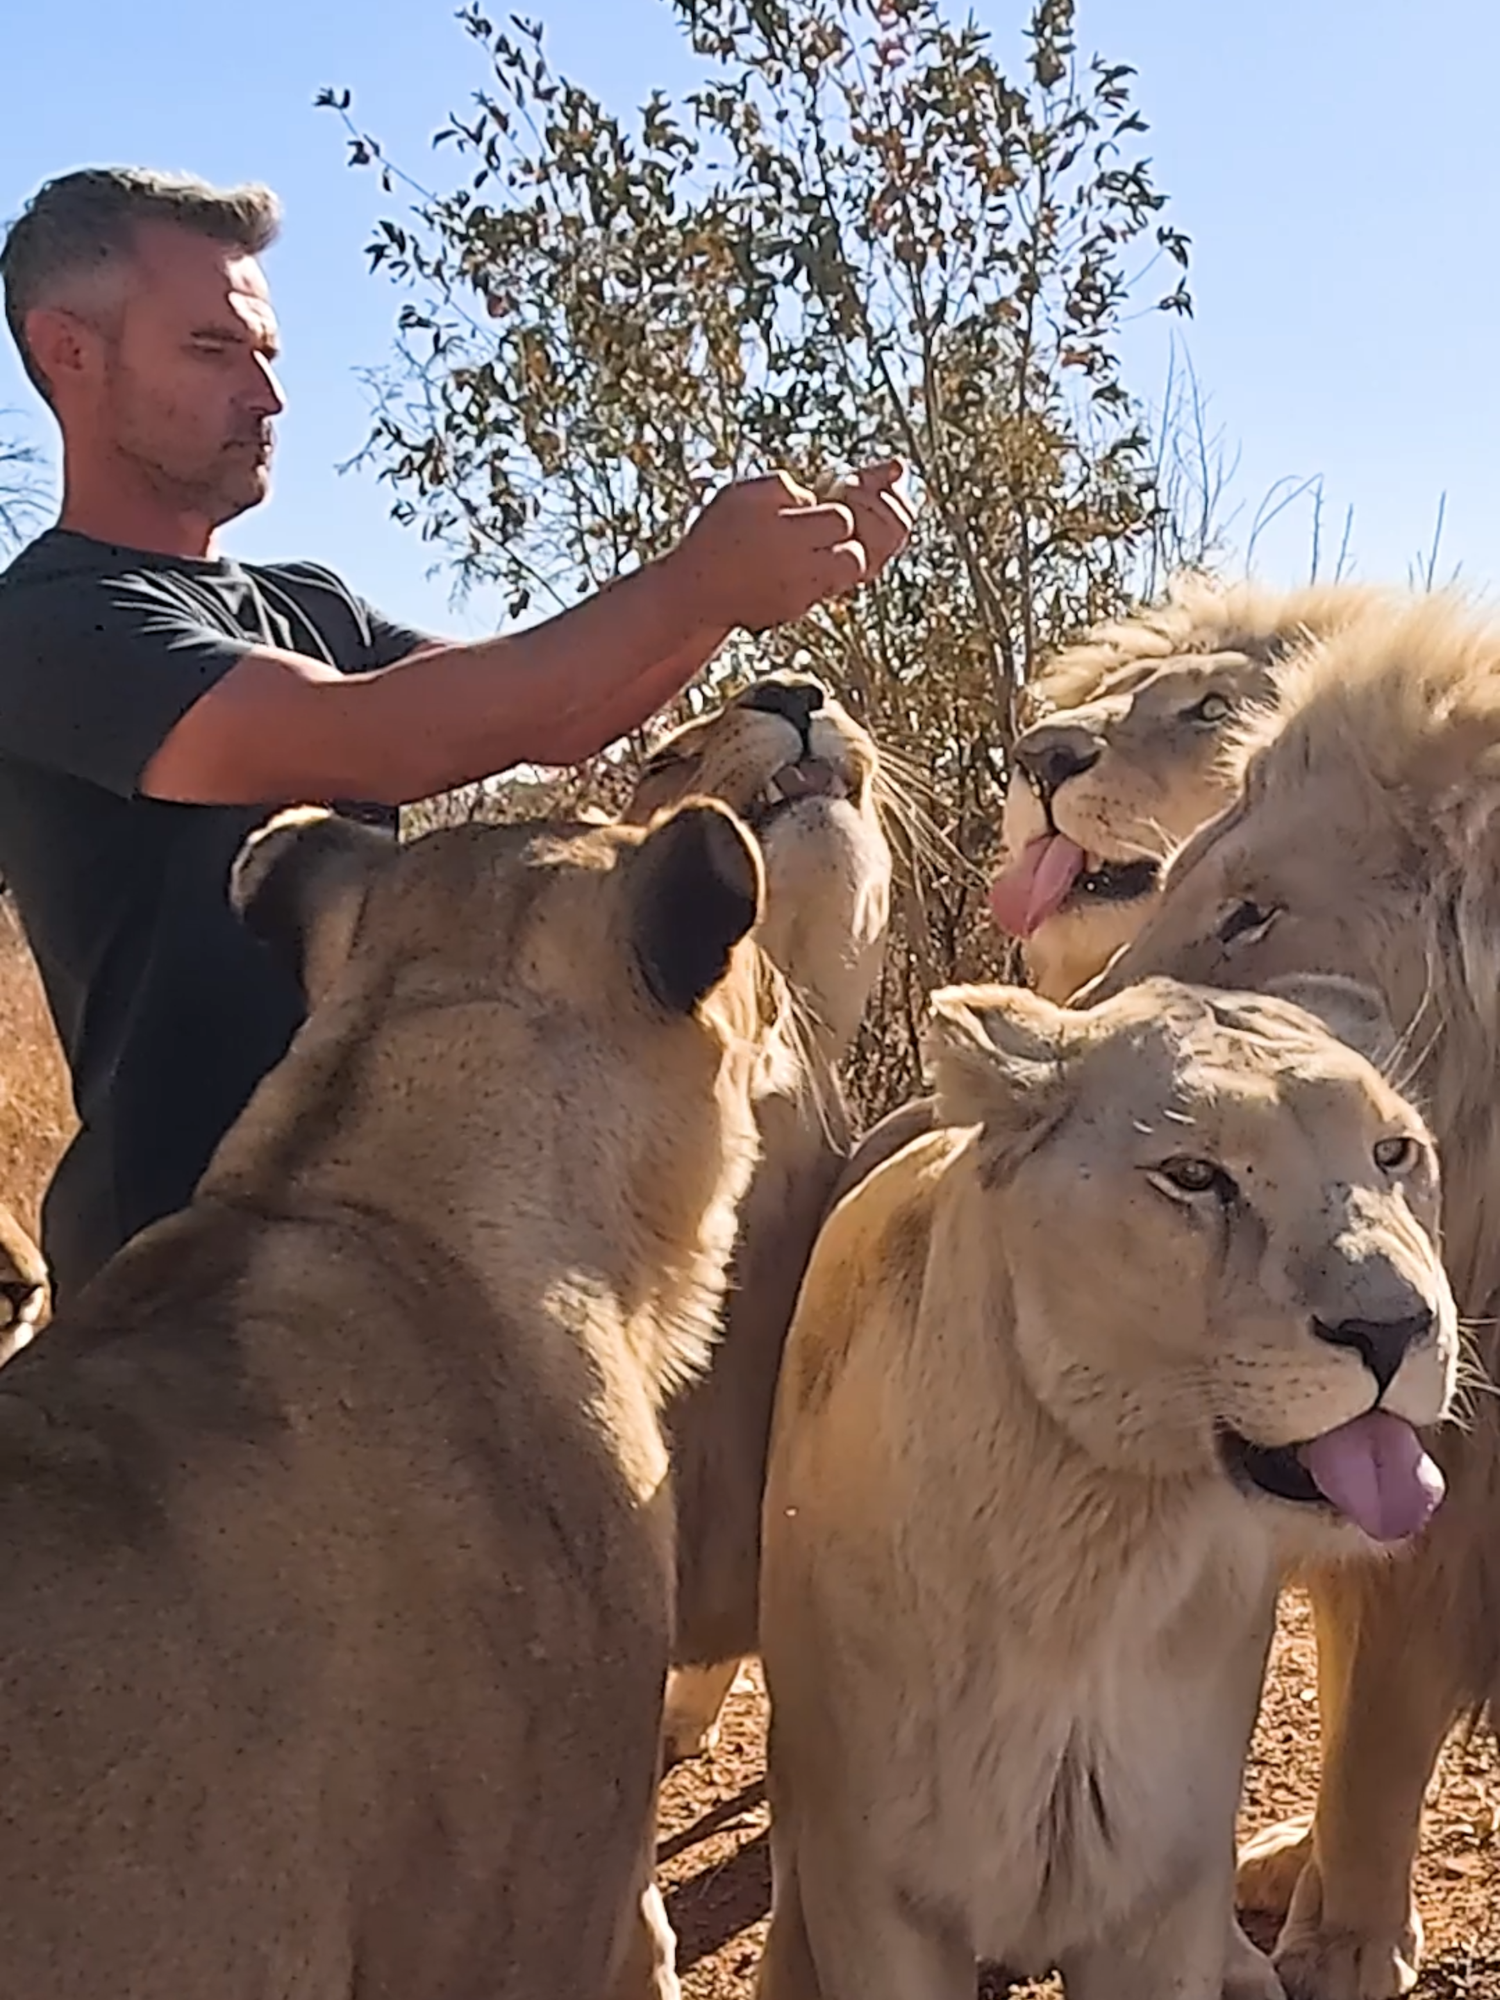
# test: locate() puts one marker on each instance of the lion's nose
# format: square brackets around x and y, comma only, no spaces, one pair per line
[1051,753]
[798,701]
[1382,1344]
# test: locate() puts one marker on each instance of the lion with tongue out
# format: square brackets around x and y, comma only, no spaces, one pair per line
[1033,1488]
[1125,756]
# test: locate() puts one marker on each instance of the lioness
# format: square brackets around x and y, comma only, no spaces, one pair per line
[1124,758]
[1365,839]
[1030,1496]
[803,774]
[335,1527]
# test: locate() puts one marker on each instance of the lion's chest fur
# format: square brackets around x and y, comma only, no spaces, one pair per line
[1076,1783]
[1031,1694]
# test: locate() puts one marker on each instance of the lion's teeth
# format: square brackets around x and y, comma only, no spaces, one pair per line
[773,795]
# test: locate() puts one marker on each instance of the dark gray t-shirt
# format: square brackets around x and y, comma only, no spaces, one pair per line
[169,1011]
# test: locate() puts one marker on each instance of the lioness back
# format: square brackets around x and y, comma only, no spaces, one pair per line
[335,1536]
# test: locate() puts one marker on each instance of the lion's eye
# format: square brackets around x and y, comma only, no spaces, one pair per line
[1245,922]
[1213,708]
[1190,1176]
[1397,1154]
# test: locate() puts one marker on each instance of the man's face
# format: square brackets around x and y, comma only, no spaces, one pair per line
[186,389]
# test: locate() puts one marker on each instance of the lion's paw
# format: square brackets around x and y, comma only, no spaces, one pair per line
[684,1737]
[1248,1973]
[1270,1866]
[1340,1966]
[694,1710]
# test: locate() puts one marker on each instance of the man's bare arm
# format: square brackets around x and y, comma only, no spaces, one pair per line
[282,728]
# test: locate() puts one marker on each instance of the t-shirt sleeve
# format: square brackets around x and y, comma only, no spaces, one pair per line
[389,641]
[95,674]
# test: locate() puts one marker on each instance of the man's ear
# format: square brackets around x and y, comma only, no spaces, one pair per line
[299,883]
[699,885]
[996,1056]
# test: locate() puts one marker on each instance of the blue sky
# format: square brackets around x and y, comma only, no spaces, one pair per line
[1333,162]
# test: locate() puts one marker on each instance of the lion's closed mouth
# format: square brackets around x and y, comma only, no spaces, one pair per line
[807,778]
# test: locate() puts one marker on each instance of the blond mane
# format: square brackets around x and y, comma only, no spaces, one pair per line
[1198,614]
[1365,840]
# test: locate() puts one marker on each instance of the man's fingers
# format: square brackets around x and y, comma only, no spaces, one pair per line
[838,571]
[888,519]
[826,525]
[796,493]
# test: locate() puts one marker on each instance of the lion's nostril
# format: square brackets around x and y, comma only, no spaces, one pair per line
[1382,1344]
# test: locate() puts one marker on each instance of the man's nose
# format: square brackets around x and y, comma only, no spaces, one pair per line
[267,398]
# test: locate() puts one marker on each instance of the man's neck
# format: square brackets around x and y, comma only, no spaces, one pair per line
[133,515]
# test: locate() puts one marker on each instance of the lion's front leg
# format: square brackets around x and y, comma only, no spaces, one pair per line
[694,1707]
[1388,1696]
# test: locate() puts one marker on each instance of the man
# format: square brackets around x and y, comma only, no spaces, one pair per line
[158,698]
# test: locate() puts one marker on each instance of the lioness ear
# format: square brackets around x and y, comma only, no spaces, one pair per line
[995,1054]
[700,887]
[1349,1009]
[298,884]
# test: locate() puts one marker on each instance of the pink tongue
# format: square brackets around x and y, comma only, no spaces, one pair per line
[1375,1471]
[1023,896]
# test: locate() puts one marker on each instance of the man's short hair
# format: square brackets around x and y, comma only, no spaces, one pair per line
[76,226]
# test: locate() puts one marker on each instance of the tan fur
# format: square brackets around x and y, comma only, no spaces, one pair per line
[1015,1611]
[1124,696]
[828,871]
[25,1296]
[335,1523]
[1367,841]
[36,1102]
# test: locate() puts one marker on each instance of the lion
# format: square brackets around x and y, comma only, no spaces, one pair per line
[808,780]
[1124,758]
[335,1518]
[1128,750]
[1364,839]
[1025,1527]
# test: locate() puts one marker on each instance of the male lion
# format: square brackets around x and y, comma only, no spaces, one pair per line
[1125,758]
[805,776]
[1366,840]
[335,1523]
[1031,1492]
[1129,750]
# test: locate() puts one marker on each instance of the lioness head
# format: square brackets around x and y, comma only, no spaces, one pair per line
[1219,1227]
[803,774]
[556,1024]
[1124,757]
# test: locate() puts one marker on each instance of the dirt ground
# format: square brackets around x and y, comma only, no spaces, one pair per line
[716,1874]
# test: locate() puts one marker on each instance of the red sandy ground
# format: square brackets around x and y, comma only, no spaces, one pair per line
[715,1870]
